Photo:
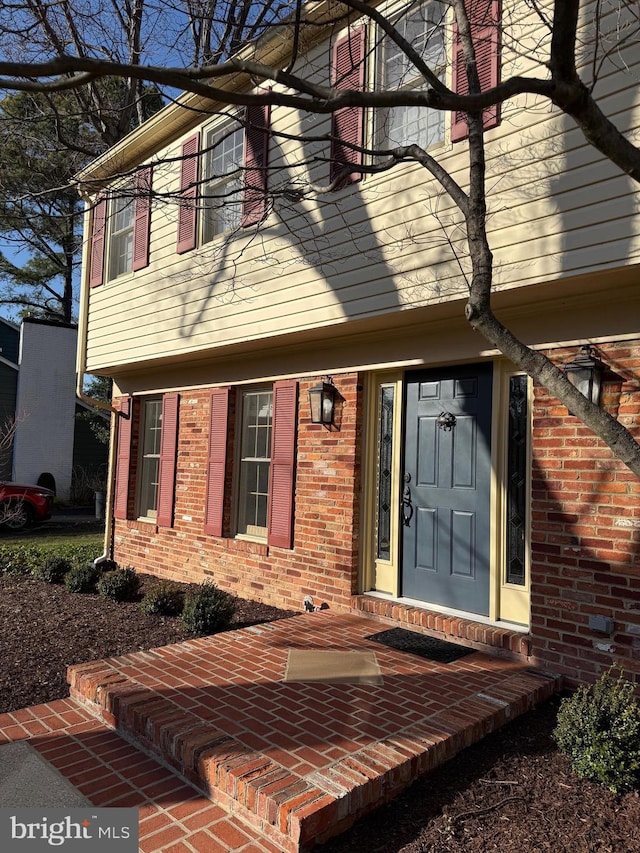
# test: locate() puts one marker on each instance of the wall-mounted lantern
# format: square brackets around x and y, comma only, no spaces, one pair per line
[585,373]
[322,401]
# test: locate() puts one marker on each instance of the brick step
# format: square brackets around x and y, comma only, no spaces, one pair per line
[329,753]
[484,637]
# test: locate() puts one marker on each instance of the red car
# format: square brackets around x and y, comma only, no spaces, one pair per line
[21,505]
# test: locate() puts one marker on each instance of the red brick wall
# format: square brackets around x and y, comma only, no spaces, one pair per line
[324,560]
[586,531]
[585,523]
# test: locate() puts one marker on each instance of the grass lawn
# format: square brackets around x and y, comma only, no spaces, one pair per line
[53,538]
[60,530]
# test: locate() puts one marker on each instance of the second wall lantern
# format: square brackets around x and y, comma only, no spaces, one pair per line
[585,373]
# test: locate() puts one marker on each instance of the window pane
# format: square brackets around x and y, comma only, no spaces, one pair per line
[121,233]
[413,125]
[150,458]
[149,487]
[410,125]
[121,254]
[222,194]
[255,444]
[254,485]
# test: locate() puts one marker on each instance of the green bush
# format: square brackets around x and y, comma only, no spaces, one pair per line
[82,578]
[108,566]
[598,728]
[30,559]
[53,569]
[207,610]
[119,584]
[165,599]
[19,559]
[78,555]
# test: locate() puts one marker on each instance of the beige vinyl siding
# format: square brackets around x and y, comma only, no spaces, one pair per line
[556,209]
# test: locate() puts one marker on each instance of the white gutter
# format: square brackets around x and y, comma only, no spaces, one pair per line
[81,367]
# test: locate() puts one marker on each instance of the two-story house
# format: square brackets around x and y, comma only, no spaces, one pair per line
[303,409]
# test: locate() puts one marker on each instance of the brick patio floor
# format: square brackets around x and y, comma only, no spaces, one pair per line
[285,764]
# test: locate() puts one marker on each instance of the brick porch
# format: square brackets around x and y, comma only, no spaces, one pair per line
[299,762]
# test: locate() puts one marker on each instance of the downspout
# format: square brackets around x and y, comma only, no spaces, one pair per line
[81,365]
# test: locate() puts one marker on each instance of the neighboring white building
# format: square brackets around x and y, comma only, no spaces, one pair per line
[46,436]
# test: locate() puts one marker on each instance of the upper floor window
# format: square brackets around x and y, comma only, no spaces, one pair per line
[424,29]
[120,252]
[120,230]
[223,185]
[223,178]
[408,125]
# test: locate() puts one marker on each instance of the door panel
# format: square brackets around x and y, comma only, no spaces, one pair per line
[447,471]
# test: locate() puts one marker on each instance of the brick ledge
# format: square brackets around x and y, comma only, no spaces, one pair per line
[478,635]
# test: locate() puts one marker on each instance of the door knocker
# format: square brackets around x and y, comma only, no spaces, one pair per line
[446,421]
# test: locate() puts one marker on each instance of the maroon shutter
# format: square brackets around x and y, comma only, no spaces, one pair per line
[484,17]
[282,468]
[188,195]
[96,264]
[347,124]
[168,452]
[142,219]
[123,458]
[216,462]
[256,159]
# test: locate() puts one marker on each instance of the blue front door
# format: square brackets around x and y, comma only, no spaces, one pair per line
[447,487]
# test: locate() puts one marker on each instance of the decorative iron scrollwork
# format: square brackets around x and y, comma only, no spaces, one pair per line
[446,421]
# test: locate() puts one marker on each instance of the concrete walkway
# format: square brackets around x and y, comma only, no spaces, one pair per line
[98,765]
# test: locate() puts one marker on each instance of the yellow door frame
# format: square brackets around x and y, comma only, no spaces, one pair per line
[508,602]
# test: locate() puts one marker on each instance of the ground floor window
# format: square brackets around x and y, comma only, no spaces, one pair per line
[256,417]
[149,472]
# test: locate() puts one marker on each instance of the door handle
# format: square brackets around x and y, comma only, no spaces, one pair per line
[406,503]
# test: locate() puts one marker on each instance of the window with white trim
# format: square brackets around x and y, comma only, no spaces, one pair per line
[407,125]
[121,220]
[149,469]
[256,418]
[223,181]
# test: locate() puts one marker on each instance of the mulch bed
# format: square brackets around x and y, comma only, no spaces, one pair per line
[511,792]
[44,628]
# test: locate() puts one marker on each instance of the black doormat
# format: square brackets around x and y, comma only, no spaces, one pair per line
[419,644]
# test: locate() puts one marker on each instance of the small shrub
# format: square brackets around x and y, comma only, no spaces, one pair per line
[119,584]
[598,728]
[53,569]
[207,610]
[108,566]
[82,578]
[165,599]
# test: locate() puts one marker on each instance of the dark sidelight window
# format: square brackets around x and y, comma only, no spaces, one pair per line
[517,465]
[385,471]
